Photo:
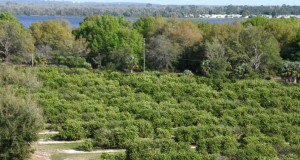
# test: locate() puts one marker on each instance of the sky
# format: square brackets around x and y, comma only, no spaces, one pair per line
[206,2]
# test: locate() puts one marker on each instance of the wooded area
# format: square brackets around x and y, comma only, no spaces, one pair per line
[255,47]
[53,8]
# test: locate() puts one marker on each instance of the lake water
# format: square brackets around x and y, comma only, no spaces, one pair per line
[74,21]
[27,20]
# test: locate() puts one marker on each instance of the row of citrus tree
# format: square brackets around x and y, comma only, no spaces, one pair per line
[158,115]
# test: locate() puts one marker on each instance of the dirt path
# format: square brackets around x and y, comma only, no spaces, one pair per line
[47,132]
[40,156]
[73,151]
[47,141]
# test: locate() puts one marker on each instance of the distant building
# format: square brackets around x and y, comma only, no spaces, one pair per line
[237,16]
[234,16]
[287,16]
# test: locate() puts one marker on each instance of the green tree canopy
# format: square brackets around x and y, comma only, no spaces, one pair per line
[16,43]
[162,54]
[286,32]
[56,44]
[107,34]
[244,48]
[6,16]
[55,34]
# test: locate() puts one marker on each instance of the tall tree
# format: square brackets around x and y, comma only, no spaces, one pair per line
[216,64]
[108,34]
[162,53]
[284,30]
[6,16]
[145,25]
[56,34]
[16,43]
[249,47]
[55,42]
[261,49]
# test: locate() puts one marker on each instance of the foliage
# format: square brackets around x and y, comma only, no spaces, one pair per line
[56,44]
[50,8]
[162,53]
[133,111]
[290,72]
[114,156]
[16,43]
[55,34]
[20,118]
[286,32]
[108,34]
[253,48]
[71,130]
[87,145]
[71,61]
[229,114]
[248,50]
[6,16]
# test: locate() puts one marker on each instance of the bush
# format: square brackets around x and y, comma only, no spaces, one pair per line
[184,134]
[113,156]
[20,118]
[71,61]
[87,145]
[104,137]
[257,150]
[145,128]
[162,133]
[19,121]
[124,135]
[116,109]
[290,72]
[71,131]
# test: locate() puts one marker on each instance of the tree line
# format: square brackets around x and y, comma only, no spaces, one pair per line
[254,47]
[84,9]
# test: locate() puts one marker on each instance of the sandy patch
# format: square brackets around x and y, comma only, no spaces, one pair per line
[40,156]
[48,132]
[73,151]
[49,141]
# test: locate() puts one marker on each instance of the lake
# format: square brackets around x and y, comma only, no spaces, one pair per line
[74,21]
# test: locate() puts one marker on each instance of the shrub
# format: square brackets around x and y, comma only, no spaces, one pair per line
[162,133]
[71,131]
[215,114]
[145,128]
[19,121]
[20,118]
[113,156]
[71,61]
[104,137]
[124,135]
[184,134]
[257,150]
[87,145]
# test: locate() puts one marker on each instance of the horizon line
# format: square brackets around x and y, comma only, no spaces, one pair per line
[142,3]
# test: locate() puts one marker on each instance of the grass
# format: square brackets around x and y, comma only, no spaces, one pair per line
[46,136]
[86,156]
[52,148]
